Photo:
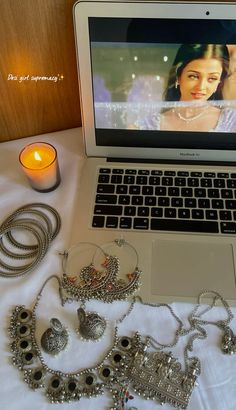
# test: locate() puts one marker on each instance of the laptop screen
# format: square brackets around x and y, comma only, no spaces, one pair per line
[164,83]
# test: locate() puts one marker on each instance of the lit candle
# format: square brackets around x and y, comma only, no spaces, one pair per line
[39,162]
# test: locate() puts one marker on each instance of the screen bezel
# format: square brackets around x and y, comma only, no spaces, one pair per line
[97,142]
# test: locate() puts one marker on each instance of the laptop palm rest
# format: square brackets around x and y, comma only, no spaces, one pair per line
[183,269]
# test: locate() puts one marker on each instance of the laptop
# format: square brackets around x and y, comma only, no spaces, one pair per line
[160,168]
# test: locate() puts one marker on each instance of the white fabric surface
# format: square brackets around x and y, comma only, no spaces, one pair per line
[217,383]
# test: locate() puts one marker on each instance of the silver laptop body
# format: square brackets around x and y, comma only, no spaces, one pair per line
[125,51]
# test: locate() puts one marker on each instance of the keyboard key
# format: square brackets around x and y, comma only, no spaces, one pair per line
[184,213]
[157,212]
[108,210]
[103,178]
[193,182]
[200,192]
[196,174]
[98,221]
[226,193]
[106,189]
[223,175]
[156,172]
[170,173]
[124,200]
[180,181]
[143,171]
[163,201]
[116,179]
[130,210]
[228,227]
[141,180]
[183,173]
[187,192]
[160,190]
[170,212]
[141,223]
[206,182]
[112,222]
[230,204]
[203,203]
[129,179]
[134,190]
[125,223]
[150,200]
[143,211]
[184,225]
[104,170]
[225,215]
[121,189]
[117,171]
[231,183]
[213,193]
[211,214]
[147,190]
[154,180]
[217,204]
[106,199]
[190,202]
[177,202]
[137,200]
[173,191]
[219,183]
[131,171]
[197,214]
[166,181]
[209,174]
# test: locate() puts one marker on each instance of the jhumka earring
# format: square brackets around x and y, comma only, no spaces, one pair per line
[55,338]
[91,325]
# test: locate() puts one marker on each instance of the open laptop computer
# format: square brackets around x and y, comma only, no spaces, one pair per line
[160,171]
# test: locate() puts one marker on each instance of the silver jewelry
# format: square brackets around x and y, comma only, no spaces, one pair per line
[91,325]
[39,225]
[228,343]
[189,119]
[104,284]
[55,338]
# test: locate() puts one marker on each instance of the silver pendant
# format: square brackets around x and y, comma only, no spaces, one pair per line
[228,341]
[55,338]
[91,325]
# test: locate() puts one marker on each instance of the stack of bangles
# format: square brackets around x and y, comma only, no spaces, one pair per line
[32,218]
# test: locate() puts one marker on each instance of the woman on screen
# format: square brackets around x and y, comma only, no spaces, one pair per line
[195,86]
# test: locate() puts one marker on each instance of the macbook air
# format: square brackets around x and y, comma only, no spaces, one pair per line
[158,101]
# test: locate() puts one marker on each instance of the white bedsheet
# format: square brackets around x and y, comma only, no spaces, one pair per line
[217,383]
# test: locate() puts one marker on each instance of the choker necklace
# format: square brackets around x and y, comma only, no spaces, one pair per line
[102,284]
[189,119]
[132,362]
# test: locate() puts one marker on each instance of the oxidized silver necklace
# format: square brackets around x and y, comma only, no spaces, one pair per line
[135,362]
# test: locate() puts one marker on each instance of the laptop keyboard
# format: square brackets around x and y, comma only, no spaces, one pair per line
[165,200]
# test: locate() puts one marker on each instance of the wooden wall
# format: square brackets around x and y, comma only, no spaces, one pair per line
[37,39]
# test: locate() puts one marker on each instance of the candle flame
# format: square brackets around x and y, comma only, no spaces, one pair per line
[37,156]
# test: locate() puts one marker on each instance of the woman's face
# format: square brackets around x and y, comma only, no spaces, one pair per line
[200,79]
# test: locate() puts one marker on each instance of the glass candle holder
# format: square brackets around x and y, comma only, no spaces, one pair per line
[40,165]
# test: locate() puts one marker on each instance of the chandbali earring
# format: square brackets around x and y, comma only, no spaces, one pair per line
[55,338]
[101,283]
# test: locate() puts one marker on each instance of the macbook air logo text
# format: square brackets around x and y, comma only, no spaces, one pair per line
[189,154]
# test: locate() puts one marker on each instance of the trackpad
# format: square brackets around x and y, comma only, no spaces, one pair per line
[184,269]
